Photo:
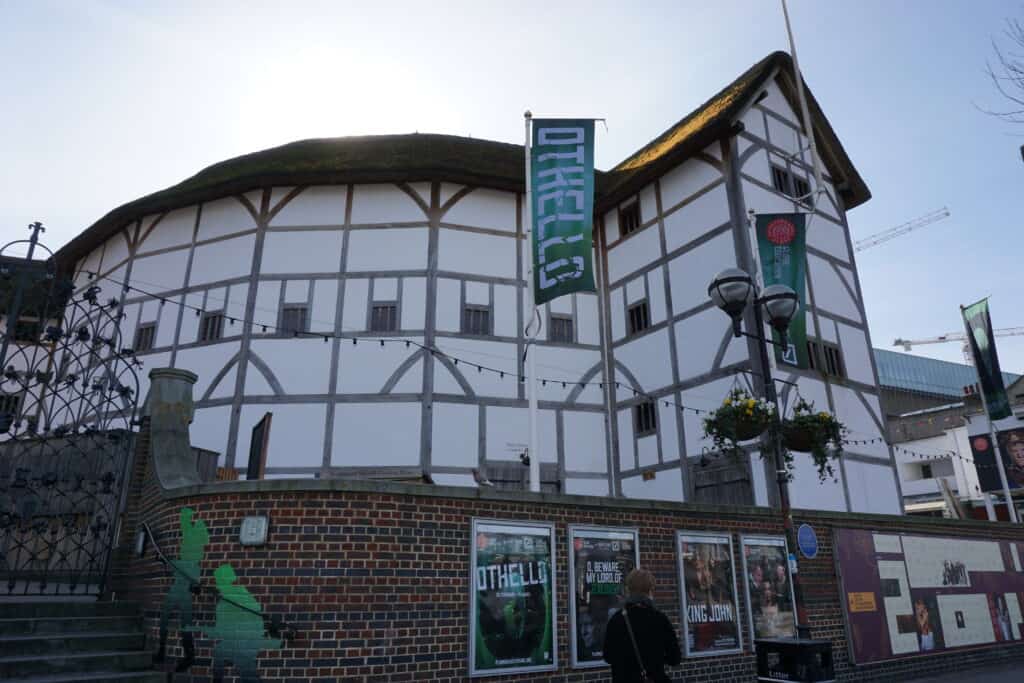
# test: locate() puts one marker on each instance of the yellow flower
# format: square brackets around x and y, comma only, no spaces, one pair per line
[823,415]
[751,402]
[728,402]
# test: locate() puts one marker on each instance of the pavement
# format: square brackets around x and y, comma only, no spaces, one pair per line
[1004,673]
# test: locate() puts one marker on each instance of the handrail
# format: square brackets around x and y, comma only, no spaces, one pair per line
[278,627]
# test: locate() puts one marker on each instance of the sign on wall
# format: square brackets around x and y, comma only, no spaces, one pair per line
[781,245]
[599,561]
[562,184]
[769,587]
[1011,447]
[711,624]
[906,595]
[512,603]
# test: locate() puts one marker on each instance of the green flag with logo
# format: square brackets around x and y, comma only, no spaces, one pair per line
[782,245]
[986,360]
[562,184]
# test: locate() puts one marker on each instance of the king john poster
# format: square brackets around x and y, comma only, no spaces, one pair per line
[512,608]
[782,246]
[710,613]
[600,559]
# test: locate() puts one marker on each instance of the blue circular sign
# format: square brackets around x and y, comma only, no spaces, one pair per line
[807,540]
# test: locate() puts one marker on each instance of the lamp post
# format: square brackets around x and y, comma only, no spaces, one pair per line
[733,290]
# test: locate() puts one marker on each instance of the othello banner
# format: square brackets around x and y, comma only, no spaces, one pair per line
[599,559]
[986,360]
[1011,446]
[782,246]
[711,623]
[769,587]
[562,184]
[512,604]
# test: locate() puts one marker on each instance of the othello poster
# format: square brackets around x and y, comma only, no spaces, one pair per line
[512,599]
[710,614]
[601,559]
[769,588]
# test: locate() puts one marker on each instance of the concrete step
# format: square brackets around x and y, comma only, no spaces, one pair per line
[70,625]
[46,645]
[80,663]
[46,610]
[96,677]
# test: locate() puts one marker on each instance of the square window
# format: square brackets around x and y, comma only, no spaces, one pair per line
[926,472]
[211,328]
[384,317]
[294,320]
[629,218]
[476,320]
[639,317]
[644,419]
[801,188]
[145,337]
[561,329]
[780,180]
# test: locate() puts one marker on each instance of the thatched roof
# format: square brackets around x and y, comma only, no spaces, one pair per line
[407,158]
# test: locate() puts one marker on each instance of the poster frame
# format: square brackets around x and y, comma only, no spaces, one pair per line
[682,593]
[549,527]
[573,530]
[757,539]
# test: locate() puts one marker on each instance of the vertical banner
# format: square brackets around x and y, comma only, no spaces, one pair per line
[986,360]
[769,587]
[562,182]
[599,560]
[985,462]
[711,624]
[1011,446]
[512,604]
[782,246]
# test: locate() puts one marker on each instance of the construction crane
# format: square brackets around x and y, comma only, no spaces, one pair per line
[903,229]
[908,344]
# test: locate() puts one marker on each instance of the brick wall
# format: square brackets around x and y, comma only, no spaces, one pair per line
[374,577]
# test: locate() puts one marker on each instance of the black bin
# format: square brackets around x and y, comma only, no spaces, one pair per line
[794,659]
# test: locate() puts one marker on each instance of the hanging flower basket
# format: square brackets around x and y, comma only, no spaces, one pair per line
[741,417]
[819,434]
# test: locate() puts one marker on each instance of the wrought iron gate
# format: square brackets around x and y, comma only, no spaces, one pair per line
[68,393]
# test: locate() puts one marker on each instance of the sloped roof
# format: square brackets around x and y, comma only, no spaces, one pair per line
[927,375]
[407,158]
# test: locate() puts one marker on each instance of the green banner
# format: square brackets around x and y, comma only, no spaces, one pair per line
[562,184]
[782,245]
[986,360]
[512,606]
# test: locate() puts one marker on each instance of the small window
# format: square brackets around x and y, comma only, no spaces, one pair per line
[926,472]
[561,329]
[145,337]
[780,180]
[26,331]
[812,355]
[629,218]
[476,320]
[384,317]
[211,327]
[801,189]
[644,420]
[639,317]
[294,319]
[826,358]
[10,404]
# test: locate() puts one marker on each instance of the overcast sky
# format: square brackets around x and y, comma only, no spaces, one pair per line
[104,102]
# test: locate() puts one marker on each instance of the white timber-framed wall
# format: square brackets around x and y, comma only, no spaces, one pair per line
[433,247]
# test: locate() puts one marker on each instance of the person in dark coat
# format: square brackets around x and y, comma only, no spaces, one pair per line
[655,637]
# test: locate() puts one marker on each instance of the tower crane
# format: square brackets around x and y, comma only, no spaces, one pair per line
[908,344]
[902,229]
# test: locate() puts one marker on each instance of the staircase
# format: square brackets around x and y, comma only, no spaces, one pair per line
[53,642]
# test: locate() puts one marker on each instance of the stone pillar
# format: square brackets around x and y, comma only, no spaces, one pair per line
[170,409]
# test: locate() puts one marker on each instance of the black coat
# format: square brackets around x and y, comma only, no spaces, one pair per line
[655,638]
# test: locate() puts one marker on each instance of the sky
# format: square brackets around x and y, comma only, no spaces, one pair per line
[105,101]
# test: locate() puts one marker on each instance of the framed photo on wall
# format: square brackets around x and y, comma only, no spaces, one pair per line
[512,598]
[710,609]
[599,560]
[770,602]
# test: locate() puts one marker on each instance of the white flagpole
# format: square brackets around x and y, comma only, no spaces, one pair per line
[529,312]
[818,186]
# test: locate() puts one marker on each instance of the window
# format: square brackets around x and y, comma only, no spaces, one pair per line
[561,329]
[926,472]
[780,180]
[26,331]
[826,358]
[629,218]
[9,404]
[790,184]
[144,337]
[384,317]
[644,420]
[476,320]
[639,317]
[801,188]
[211,327]
[294,319]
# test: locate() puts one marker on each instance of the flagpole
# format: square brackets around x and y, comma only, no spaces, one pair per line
[528,318]
[818,186]
[992,432]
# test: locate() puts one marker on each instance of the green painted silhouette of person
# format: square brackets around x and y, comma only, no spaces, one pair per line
[194,538]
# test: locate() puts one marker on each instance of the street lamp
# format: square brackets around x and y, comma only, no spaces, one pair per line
[732,290]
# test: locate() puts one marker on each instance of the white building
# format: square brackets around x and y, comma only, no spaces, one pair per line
[421,237]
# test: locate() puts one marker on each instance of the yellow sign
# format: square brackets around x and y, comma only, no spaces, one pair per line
[861,602]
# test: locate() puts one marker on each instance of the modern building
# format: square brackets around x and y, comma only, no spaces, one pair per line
[274,275]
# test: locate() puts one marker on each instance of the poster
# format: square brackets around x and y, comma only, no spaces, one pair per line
[782,248]
[982,343]
[512,604]
[599,560]
[711,624]
[769,587]
[1011,445]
